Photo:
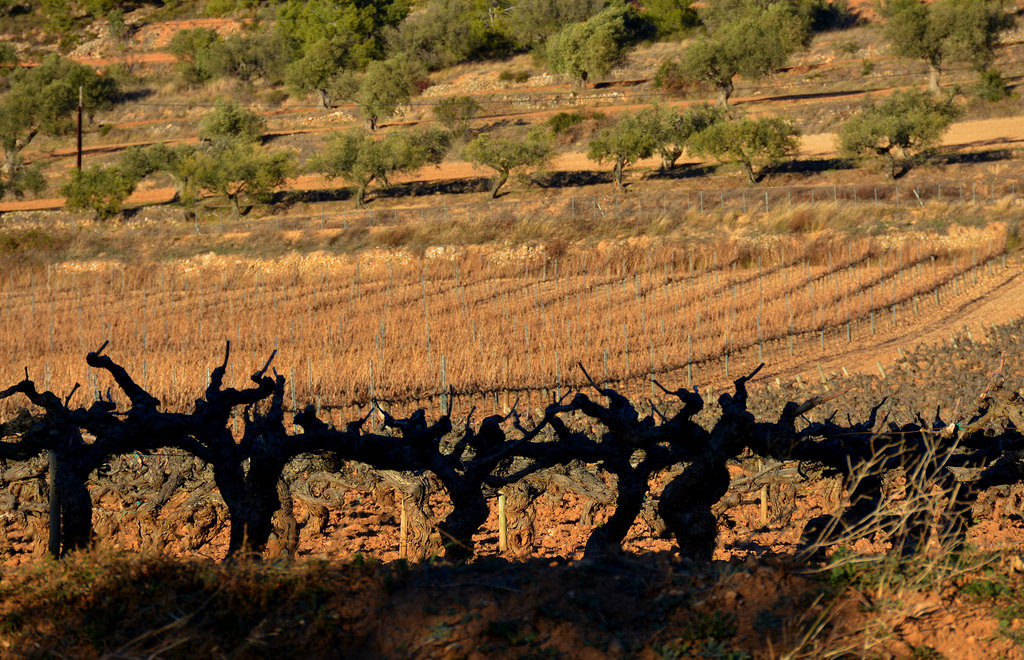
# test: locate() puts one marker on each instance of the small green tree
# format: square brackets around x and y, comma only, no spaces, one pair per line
[754,144]
[180,162]
[946,31]
[456,114]
[633,137]
[237,169]
[316,70]
[754,42]
[897,129]
[382,88]
[100,189]
[507,154]
[676,129]
[358,157]
[229,120]
[590,49]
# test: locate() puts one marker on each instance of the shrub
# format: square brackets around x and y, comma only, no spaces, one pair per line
[563,121]
[991,86]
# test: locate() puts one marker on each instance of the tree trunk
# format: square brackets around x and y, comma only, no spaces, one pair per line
[934,73]
[75,503]
[686,505]
[361,195]
[724,92]
[498,182]
[469,512]
[617,174]
[669,158]
[890,166]
[607,538]
[236,212]
[325,98]
[748,168]
[230,480]
[261,491]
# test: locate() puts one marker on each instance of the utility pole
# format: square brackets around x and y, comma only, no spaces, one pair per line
[78,160]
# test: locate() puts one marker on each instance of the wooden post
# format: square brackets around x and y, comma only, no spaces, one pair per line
[502,524]
[403,533]
[78,157]
[53,544]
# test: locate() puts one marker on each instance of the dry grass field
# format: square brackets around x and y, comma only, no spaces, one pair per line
[492,322]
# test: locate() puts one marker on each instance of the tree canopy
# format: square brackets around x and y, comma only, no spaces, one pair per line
[359,157]
[386,85]
[101,189]
[897,129]
[446,32]
[590,49]
[676,129]
[43,99]
[945,31]
[229,120]
[754,41]
[237,169]
[323,38]
[754,144]
[506,154]
[456,114]
[634,136]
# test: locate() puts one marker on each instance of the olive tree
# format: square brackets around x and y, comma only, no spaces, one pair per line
[455,114]
[755,145]
[946,31]
[675,129]
[101,189]
[897,129]
[229,120]
[359,157]
[506,154]
[633,137]
[237,169]
[182,163]
[754,42]
[382,88]
[590,49]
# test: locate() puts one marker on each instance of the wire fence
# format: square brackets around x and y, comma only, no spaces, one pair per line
[644,206]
